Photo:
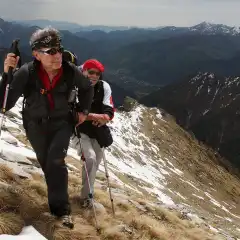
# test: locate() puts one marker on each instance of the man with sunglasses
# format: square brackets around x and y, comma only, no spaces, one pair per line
[94,133]
[46,84]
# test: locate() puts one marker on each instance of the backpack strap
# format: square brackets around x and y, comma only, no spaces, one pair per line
[69,75]
[68,78]
[101,90]
[27,89]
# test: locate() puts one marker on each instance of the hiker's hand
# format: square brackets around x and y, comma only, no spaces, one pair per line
[81,118]
[10,61]
[100,120]
[99,123]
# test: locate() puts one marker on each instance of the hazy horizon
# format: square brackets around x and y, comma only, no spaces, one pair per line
[138,13]
[89,25]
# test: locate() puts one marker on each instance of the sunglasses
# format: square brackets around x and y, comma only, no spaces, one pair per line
[52,51]
[92,72]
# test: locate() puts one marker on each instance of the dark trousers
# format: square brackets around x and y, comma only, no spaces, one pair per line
[50,141]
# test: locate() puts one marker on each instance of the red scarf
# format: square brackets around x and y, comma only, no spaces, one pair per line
[47,84]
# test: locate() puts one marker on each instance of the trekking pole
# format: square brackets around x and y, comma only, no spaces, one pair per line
[13,49]
[88,180]
[108,181]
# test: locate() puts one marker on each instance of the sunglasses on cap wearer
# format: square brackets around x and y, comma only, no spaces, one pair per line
[52,51]
[92,72]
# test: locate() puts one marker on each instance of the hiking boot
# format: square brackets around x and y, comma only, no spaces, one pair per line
[67,221]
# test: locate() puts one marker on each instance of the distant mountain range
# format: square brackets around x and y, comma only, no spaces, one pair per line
[204,27]
[140,60]
[63,25]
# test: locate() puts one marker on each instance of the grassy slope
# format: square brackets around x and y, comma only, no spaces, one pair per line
[25,202]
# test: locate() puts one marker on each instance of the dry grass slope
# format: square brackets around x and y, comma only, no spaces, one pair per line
[195,159]
[24,202]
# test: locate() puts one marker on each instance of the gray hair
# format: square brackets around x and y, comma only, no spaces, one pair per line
[41,33]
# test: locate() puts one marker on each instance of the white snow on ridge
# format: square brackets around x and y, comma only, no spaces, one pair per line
[130,153]
[198,196]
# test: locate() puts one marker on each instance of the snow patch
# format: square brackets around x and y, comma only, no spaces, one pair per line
[177,193]
[190,184]
[198,196]
[28,233]
[213,229]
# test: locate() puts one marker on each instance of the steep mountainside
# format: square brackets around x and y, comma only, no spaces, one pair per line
[10,31]
[156,170]
[209,106]
[161,62]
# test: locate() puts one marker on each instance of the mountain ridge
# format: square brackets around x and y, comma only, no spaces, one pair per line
[208,105]
[204,27]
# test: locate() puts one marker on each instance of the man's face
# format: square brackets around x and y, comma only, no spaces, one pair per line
[51,58]
[93,74]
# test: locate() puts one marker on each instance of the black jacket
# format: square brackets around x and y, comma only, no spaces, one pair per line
[102,104]
[37,106]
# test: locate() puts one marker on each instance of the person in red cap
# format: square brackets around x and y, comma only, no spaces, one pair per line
[94,133]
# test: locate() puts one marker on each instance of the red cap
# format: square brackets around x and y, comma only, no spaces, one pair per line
[93,63]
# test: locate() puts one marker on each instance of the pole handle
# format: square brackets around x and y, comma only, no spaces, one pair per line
[13,49]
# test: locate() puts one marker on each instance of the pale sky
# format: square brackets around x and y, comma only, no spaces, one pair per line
[125,12]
